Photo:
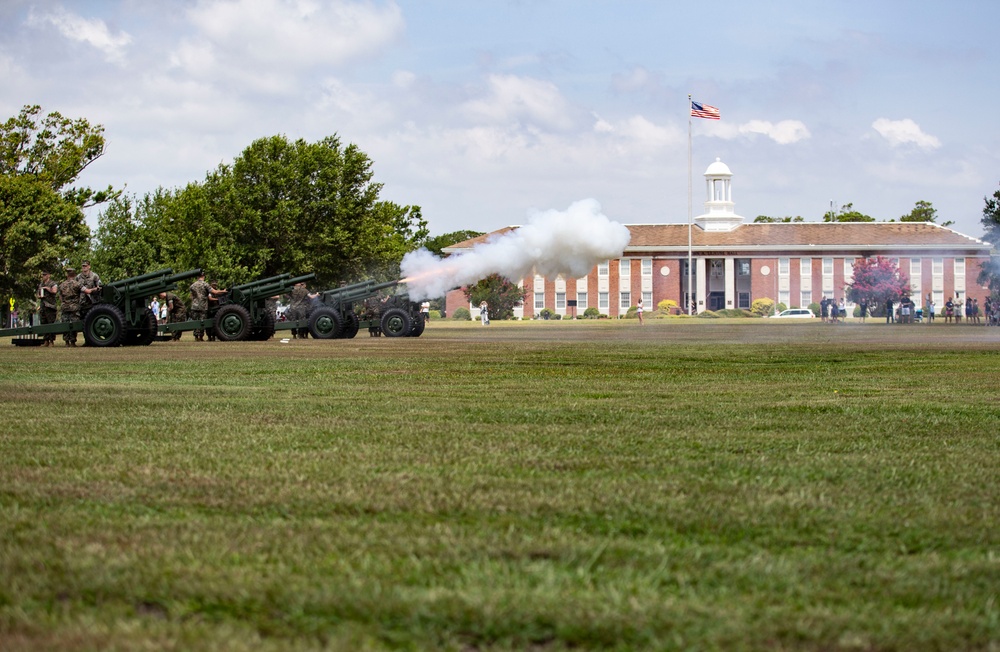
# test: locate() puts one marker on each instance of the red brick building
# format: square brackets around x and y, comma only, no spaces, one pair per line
[734,263]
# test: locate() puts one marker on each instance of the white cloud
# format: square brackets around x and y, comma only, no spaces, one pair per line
[523,100]
[902,132]
[92,31]
[785,132]
[295,33]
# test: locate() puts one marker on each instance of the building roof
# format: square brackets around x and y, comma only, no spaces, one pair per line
[860,238]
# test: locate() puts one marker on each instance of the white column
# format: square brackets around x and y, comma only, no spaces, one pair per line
[702,296]
[730,279]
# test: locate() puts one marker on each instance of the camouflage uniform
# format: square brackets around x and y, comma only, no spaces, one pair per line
[69,297]
[298,308]
[48,310]
[87,280]
[200,291]
[176,312]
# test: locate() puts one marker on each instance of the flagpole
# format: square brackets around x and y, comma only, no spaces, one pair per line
[690,297]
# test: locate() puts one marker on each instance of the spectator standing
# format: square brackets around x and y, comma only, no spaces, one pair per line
[889,316]
[638,311]
[484,314]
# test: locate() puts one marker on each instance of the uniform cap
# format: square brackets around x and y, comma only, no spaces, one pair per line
[70,269]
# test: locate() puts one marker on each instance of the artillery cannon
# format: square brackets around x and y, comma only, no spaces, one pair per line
[119,315]
[335,316]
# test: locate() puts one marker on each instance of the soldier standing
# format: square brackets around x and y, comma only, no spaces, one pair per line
[48,290]
[89,283]
[69,296]
[201,292]
[176,310]
[299,307]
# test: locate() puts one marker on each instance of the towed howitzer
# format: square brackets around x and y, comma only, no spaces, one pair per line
[335,316]
[242,314]
[119,315]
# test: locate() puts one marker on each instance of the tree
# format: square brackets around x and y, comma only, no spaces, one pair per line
[280,206]
[41,214]
[989,274]
[765,219]
[499,293]
[877,280]
[846,214]
[923,211]
[991,219]
[437,244]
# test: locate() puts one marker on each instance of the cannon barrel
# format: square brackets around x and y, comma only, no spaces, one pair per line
[260,281]
[277,286]
[142,277]
[362,289]
[155,285]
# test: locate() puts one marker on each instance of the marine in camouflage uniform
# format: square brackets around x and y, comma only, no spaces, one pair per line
[176,311]
[89,284]
[48,312]
[69,296]
[299,307]
[201,294]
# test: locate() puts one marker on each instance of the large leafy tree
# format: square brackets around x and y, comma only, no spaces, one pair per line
[767,219]
[923,211]
[438,243]
[846,214]
[876,280]
[500,294]
[41,209]
[280,206]
[989,274]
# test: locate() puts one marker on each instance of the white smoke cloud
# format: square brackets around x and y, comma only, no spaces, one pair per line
[553,242]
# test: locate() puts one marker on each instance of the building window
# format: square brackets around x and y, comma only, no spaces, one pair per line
[647,266]
[602,269]
[581,300]
[647,300]
[807,298]
[625,300]
[743,267]
[828,267]
[783,297]
[718,269]
[560,300]
[603,301]
[625,268]
[806,267]
[743,298]
[783,266]
[539,300]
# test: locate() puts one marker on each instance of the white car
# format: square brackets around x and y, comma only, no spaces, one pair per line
[795,313]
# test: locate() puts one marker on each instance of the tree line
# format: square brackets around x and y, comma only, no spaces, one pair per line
[280,206]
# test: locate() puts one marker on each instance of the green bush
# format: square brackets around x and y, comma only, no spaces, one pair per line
[434,314]
[734,312]
[545,313]
[591,313]
[781,307]
[461,313]
[815,308]
[762,307]
[631,313]
[708,314]
[556,316]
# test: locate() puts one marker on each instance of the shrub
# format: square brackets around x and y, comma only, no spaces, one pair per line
[434,314]
[734,312]
[631,313]
[591,313]
[781,307]
[761,307]
[815,308]
[556,316]
[708,314]
[667,306]
[545,313]
[461,313]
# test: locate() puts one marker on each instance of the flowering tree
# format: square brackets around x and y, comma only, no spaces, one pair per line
[876,280]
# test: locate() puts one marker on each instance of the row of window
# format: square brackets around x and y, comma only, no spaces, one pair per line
[603,300]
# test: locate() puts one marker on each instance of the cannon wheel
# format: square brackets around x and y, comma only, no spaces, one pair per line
[351,326]
[232,323]
[145,333]
[104,325]
[325,323]
[265,331]
[396,322]
[418,326]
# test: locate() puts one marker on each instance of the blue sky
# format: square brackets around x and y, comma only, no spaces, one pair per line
[484,111]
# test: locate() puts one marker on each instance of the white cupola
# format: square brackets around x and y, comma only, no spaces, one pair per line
[719,214]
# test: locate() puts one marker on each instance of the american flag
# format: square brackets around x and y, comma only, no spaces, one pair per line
[699,110]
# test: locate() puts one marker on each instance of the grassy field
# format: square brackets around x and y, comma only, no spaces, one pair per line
[686,485]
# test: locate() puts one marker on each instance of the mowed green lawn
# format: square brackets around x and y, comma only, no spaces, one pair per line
[688,485]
